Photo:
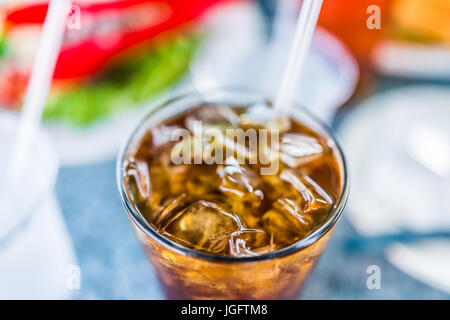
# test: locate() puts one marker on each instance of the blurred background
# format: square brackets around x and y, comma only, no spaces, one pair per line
[378,73]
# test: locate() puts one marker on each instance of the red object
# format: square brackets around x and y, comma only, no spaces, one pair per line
[12,88]
[106,29]
[348,20]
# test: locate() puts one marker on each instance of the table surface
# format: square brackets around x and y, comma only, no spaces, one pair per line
[113,265]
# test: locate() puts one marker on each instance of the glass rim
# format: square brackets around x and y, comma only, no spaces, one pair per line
[144,226]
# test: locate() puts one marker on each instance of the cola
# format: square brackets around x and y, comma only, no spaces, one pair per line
[231,200]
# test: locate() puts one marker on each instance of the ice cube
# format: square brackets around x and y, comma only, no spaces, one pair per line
[220,117]
[170,210]
[203,226]
[244,242]
[262,115]
[202,180]
[177,176]
[269,247]
[312,196]
[241,185]
[162,134]
[276,187]
[287,222]
[297,149]
[257,115]
[213,146]
[166,179]
[137,177]
[236,178]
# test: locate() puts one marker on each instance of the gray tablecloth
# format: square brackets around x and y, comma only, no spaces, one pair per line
[113,265]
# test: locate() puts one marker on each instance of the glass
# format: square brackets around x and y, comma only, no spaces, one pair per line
[35,247]
[188,274]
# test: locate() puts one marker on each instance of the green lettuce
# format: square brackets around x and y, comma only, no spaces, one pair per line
[124,84]
[3,47]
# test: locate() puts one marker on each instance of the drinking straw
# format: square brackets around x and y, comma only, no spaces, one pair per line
[304,30]
[39,83]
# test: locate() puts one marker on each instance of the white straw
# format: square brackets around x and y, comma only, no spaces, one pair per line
[304,31]
[40,82]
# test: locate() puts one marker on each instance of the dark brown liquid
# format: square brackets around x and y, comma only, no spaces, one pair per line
[232,209]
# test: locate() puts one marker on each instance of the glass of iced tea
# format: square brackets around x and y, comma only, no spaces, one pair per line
[229,200]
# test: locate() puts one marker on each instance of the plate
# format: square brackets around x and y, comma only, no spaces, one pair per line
[398,153]
[412,60]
